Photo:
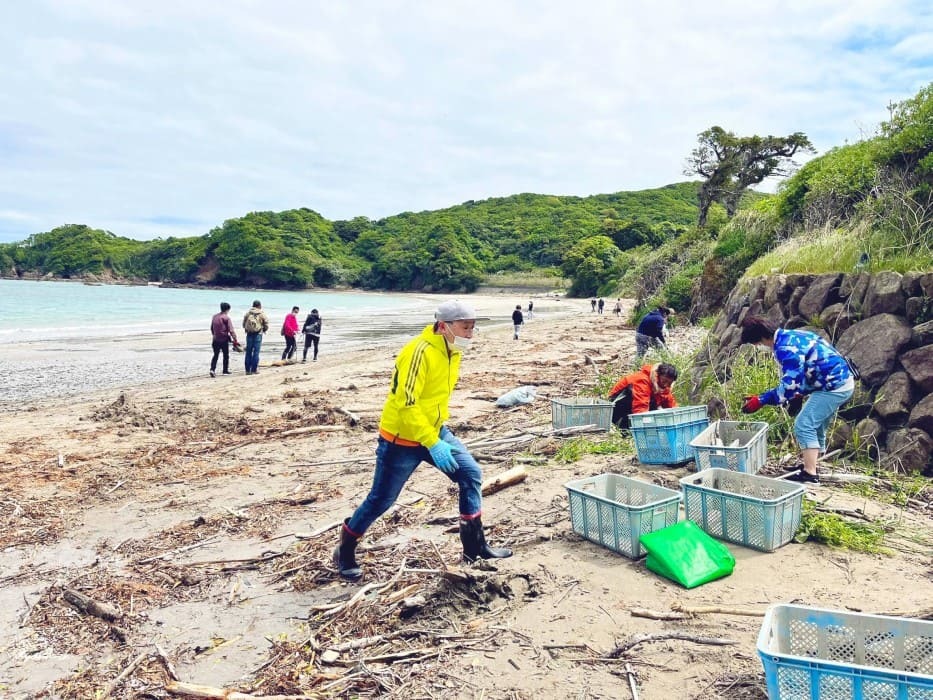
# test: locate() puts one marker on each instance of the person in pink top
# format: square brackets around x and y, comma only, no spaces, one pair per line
[290,330]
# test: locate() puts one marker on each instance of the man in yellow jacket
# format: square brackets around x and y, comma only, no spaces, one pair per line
[412,430]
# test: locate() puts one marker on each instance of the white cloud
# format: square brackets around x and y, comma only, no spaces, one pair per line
[167,119]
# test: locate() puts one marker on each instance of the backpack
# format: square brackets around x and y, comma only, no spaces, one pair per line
[252,324]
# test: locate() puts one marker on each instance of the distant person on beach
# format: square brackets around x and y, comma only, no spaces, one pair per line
[652,331]
[618,308]
[413,429]
[312,331]
[600,305]
[648,389]
[222,334]
[531,305]
[255,324]
[517,320]
[290,330]
[593,304]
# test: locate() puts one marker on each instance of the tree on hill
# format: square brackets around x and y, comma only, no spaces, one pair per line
[730,165]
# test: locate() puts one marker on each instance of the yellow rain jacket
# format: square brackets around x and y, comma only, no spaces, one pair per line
[419,396]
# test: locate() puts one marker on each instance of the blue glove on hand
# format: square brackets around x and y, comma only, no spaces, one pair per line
[443,455]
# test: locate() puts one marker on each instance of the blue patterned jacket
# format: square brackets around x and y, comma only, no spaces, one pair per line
[808,364]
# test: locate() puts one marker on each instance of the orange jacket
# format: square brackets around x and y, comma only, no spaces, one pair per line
[643,393]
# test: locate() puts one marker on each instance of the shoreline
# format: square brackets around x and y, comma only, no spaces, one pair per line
[39,371]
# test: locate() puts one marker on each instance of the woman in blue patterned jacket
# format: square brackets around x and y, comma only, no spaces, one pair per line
[812,367]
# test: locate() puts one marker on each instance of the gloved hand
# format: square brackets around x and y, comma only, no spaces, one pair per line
[443,455]
[794,405]
[752,404]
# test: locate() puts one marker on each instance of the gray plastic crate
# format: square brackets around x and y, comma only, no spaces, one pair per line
[567,413]
[614,511]
[832,655]
[754,511]
[741,446]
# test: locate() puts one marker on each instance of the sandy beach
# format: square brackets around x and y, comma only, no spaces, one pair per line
[203,512]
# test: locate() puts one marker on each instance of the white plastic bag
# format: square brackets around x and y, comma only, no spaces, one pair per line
[522,394]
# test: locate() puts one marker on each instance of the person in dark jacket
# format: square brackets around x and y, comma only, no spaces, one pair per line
[652,331]
[312,331]
[222,334]
[648,389]
[518,320]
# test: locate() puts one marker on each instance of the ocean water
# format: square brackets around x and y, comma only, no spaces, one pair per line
[63,339]
[45,310]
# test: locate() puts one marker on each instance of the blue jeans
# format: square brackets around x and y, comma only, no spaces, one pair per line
[253,344]
[816,415]
[394,466]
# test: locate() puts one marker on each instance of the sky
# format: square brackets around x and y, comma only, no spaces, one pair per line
[163,118]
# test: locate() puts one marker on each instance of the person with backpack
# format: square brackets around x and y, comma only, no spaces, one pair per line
[312,331]
[255,324]
[289,331]
[413,429]
[810,367]
[648,389]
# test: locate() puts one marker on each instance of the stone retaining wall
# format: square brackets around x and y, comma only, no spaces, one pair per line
[884,322]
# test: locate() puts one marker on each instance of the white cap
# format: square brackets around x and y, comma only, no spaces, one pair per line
[454,310]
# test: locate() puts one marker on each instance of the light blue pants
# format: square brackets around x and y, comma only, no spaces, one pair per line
[816,416]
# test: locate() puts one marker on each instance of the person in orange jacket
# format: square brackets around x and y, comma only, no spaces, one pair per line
[647,389]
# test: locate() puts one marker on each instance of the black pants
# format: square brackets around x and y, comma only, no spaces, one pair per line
[291,347]
[221,347]
[309,341]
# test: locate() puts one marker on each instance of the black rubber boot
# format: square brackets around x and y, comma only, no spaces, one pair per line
[345,554]
[474,542]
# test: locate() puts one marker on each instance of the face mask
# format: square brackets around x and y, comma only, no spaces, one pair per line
[462,344]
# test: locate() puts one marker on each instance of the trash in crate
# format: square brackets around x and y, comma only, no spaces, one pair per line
[741,446]
[685,554]
[814,652]
[568,413]
[747,509]
[666,444]
[614,510]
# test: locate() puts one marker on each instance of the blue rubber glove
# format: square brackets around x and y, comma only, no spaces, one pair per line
[443,455]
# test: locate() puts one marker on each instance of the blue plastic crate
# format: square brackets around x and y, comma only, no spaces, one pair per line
[741,446]
[615,511]
[668,417]
[811,653]
[667,444]
[750,510]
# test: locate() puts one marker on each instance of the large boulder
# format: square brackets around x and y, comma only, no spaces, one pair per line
[908,450]
[852,290]
[922,335]
[823,291]
[874,344]
[919,365]
[926,283]
[884,295]
[922,415]
[868,435]
[777,291]
[836,320]
[918,309]
[895,397]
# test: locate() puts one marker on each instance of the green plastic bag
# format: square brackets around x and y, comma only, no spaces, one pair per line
[687,555]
